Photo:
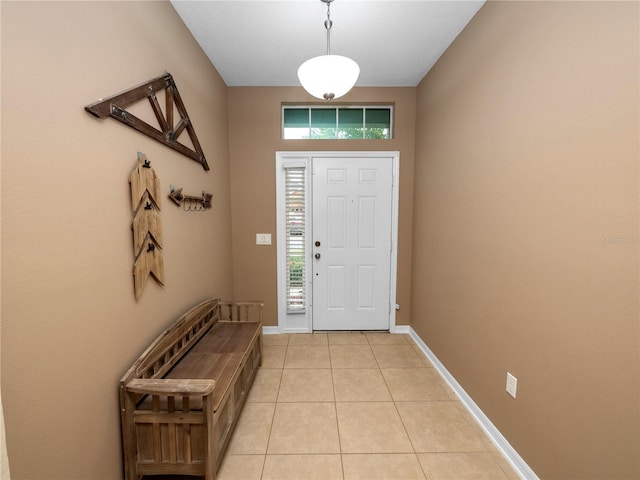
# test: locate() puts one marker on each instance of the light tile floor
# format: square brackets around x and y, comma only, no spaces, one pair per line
[355,406]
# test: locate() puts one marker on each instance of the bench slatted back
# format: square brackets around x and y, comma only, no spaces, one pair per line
[173,343]
[241,311]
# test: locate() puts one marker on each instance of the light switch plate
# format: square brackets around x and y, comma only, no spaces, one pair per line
[263,239]
[512,385]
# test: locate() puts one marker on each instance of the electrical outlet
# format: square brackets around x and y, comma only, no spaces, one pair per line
[512,385]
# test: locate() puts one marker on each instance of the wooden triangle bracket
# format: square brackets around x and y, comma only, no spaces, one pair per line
[115,107]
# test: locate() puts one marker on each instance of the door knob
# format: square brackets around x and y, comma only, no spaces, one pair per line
[317,255]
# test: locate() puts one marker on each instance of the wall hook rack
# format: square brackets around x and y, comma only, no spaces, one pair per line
[190,203]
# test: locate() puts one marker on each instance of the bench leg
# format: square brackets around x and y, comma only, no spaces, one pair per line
[210,466]
[261,349]
[210,447]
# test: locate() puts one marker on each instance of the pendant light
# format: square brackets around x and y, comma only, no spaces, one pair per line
[328,76]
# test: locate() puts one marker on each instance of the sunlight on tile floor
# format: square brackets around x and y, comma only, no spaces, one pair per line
[355,406]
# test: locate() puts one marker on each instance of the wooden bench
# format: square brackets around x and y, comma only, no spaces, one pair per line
[181,399]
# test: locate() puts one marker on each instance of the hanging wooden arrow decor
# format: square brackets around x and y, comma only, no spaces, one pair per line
[148,262]
[144,181]
[146,223]
[115,107]
[147,227]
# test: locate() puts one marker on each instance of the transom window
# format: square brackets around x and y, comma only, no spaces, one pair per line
[343,122]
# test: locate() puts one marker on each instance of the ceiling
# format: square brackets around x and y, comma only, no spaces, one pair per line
[263,42]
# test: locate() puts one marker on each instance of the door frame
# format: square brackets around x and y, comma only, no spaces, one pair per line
[303,322]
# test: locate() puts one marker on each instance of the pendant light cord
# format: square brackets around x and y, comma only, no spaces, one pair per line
[328,24]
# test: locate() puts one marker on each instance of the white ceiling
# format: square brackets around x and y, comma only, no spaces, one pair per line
[263,42]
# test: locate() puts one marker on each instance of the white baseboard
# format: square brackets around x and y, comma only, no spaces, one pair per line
[275,330]
[402,329]
[508,452]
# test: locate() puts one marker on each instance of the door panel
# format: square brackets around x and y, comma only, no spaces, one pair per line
[335,223]
[366,286]
[367,222]
[336,280]
[352,204]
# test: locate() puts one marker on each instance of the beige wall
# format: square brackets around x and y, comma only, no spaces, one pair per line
[70,324]
[525,230]
[255,136]
[525,242]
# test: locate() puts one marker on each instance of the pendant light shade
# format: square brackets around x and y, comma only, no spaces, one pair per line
[328,76]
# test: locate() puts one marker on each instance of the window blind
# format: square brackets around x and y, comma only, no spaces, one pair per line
[295,231]
[296,118]
[351,117]
[378,117]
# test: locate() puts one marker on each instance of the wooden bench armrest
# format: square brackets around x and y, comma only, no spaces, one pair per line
[171,387]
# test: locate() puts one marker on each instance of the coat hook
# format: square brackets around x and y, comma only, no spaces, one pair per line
[148,206]
[151,247]
[147,164]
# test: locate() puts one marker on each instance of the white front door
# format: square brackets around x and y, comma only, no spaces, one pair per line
[351,242]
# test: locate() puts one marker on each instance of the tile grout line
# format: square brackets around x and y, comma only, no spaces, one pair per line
[335,409]
[275,406]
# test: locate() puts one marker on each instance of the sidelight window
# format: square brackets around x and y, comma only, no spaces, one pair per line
[295,233]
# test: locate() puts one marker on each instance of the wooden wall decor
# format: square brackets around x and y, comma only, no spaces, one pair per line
[190,203]
[147,227]
[115,107]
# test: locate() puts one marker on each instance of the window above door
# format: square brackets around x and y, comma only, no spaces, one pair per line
[339,122]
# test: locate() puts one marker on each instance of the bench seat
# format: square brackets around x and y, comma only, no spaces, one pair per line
[217,356]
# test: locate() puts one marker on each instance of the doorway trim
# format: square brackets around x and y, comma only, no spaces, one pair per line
[302,322]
